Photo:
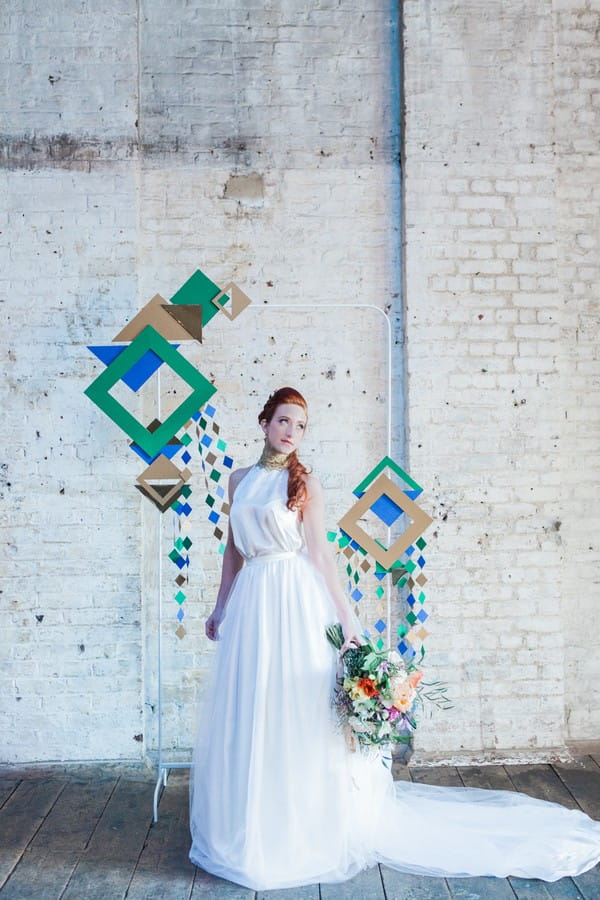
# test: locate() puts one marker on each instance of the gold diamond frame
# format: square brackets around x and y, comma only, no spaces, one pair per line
[349,521]
[162,469]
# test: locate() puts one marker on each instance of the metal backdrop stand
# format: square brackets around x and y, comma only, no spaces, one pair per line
[164,766]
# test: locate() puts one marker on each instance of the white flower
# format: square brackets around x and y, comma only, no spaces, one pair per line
[358,724]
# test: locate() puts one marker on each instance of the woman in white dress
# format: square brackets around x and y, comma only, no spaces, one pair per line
[277,799]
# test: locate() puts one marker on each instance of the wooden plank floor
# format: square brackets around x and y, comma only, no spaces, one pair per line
[88,832]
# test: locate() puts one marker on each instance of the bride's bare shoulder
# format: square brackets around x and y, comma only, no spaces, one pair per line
[313,485]
[236,476]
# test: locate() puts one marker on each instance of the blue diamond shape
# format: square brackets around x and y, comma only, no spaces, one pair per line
[169,450]
[386,510]
[140,372]
[380,626]
[356,595]
[422,615]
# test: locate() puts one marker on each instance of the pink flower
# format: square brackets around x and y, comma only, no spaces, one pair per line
[414,678]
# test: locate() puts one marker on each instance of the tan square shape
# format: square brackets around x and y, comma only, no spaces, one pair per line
[349,521]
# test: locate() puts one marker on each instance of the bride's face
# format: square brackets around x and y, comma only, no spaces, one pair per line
[286,429]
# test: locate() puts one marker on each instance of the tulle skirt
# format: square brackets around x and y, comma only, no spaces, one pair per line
[277,799]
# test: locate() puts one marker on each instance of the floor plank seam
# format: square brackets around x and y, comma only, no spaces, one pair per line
[32,838]
[6,800]
[567,788]
[98,820]
[151,825]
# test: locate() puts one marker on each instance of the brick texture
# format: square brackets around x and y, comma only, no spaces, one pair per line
[501,253]
[266,144]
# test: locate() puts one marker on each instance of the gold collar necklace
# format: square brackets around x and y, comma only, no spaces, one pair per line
[272,459]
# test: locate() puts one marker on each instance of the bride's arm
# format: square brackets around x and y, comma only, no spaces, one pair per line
[319,550]
[232,563]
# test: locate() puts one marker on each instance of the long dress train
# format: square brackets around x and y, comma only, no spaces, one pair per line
[278,800]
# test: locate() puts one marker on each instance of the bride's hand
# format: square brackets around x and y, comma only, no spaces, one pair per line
[351,636]
[212,625]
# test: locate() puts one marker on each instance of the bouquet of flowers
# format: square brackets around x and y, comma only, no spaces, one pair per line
[376,693]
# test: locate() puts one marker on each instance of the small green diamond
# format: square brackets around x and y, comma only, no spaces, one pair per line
[200,290]
[180,596]
[215,475]
[185,439]
[187,543]
[222,446]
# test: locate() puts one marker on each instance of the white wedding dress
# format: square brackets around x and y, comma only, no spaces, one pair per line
[278,800]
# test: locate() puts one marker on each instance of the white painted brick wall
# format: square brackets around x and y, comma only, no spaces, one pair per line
[108,204]
[501,257]
[118,183]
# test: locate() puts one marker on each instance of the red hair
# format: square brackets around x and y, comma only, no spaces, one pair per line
[297,492]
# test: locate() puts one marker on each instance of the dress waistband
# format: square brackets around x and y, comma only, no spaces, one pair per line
[269,557]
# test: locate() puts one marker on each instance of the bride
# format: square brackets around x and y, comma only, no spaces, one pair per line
[277,799]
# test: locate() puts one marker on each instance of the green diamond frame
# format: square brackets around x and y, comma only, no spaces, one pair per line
[386,463]
[149,339]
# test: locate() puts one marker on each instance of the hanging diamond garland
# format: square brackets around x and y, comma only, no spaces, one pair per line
[179,556]
[216,463]
[182,542]
[412,631]
[149,335]
[203,431]
[390,504]
[357,566]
